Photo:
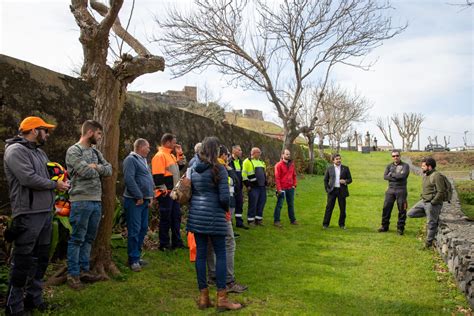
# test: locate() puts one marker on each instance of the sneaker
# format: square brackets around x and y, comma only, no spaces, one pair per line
[136,267]
[242,226]
[278,224]
[234,287]
[343,227]
[325,227]
[88,277]
[294,223]
[74,282]
[382,229]
[143,262]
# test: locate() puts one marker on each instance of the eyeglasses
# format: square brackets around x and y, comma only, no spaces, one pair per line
[43,129]
[395,156]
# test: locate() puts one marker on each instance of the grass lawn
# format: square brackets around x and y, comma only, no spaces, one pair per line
[299,269]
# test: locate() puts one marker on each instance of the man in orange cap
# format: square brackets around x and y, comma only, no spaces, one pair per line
[32,199]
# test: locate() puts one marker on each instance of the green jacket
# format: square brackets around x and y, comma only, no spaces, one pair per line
[433,188]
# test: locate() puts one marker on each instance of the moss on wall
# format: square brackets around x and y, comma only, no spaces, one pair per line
[26,89]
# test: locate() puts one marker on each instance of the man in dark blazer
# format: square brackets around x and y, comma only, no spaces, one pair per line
[336,180]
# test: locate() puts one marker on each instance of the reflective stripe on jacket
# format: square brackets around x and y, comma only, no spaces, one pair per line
[165,169]
[253,172]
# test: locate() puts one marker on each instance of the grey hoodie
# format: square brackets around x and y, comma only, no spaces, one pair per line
[31,190]
[85,181]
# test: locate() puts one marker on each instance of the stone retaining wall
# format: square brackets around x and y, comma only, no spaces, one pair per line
[455,243]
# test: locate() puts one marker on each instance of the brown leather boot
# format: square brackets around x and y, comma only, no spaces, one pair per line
[204,300]
[223,304]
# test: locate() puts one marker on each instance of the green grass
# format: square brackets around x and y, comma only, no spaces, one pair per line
[299,269]
[465,191]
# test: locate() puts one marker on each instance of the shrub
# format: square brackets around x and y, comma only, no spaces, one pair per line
[319,166]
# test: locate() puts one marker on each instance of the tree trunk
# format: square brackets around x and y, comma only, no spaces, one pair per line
[321,146]
[110,100]
[311,153]
[289,138]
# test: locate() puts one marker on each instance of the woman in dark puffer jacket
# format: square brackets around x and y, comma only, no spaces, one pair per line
[209,202]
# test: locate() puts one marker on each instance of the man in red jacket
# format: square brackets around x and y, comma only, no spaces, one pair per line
[285,178]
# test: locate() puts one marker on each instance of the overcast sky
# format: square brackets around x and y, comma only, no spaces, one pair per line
[428,68]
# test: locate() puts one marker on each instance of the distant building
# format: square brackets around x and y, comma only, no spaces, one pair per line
[171,97]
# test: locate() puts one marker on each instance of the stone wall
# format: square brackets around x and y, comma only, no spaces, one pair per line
[26,89]
[455,243]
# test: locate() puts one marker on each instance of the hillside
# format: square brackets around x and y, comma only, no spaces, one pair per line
[268,128]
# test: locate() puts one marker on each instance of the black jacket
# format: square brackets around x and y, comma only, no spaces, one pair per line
[330,179]
[397,175]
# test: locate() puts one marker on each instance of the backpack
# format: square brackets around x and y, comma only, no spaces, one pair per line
[448,195]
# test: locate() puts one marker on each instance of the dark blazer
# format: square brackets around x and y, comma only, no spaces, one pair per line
[330,179]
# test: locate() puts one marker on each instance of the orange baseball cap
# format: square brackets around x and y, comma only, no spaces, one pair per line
[32,122]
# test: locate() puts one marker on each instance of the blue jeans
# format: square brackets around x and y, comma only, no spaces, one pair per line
[218,242]
[85,219]
[289,194]
[137,226]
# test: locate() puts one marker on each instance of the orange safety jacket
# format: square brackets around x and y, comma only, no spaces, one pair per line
[165,171]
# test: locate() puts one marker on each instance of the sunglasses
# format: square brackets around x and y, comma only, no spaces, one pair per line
[43,129]
[395,155]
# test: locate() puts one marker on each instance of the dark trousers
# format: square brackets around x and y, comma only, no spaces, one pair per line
[331,202]
[239,204]
[29,260]
[289,195]
[218,243]
[257,200]
[400,196]
[170,218]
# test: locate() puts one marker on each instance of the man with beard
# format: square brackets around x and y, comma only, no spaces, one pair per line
[433,193]
[396,174]
[32,199]
[86,165]
[336,181]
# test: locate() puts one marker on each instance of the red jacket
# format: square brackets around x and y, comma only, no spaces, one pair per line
[285,175]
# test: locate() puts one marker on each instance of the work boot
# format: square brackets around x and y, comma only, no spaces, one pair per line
[74,282]
[204,300]
[259,222]
[223,304]
[251,224]
[242,226]
[89,277]
[382,229]
[234,287]
[278,224]
[295,222]
[400,231]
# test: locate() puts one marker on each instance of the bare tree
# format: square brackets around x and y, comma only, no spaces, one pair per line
[464,138]
[408,126]
[385,126]
[109,84]
[276,49]
[430,140]
[341,109]
[447,141]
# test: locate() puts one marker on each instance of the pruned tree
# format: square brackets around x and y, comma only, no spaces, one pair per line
[275,48]
[109,80]
[430,140]
[447,141]
[408,126]
[341,109]
[385,126]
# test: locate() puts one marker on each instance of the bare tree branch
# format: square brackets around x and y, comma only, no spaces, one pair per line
[408,127]
[385,127]
[275,49]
